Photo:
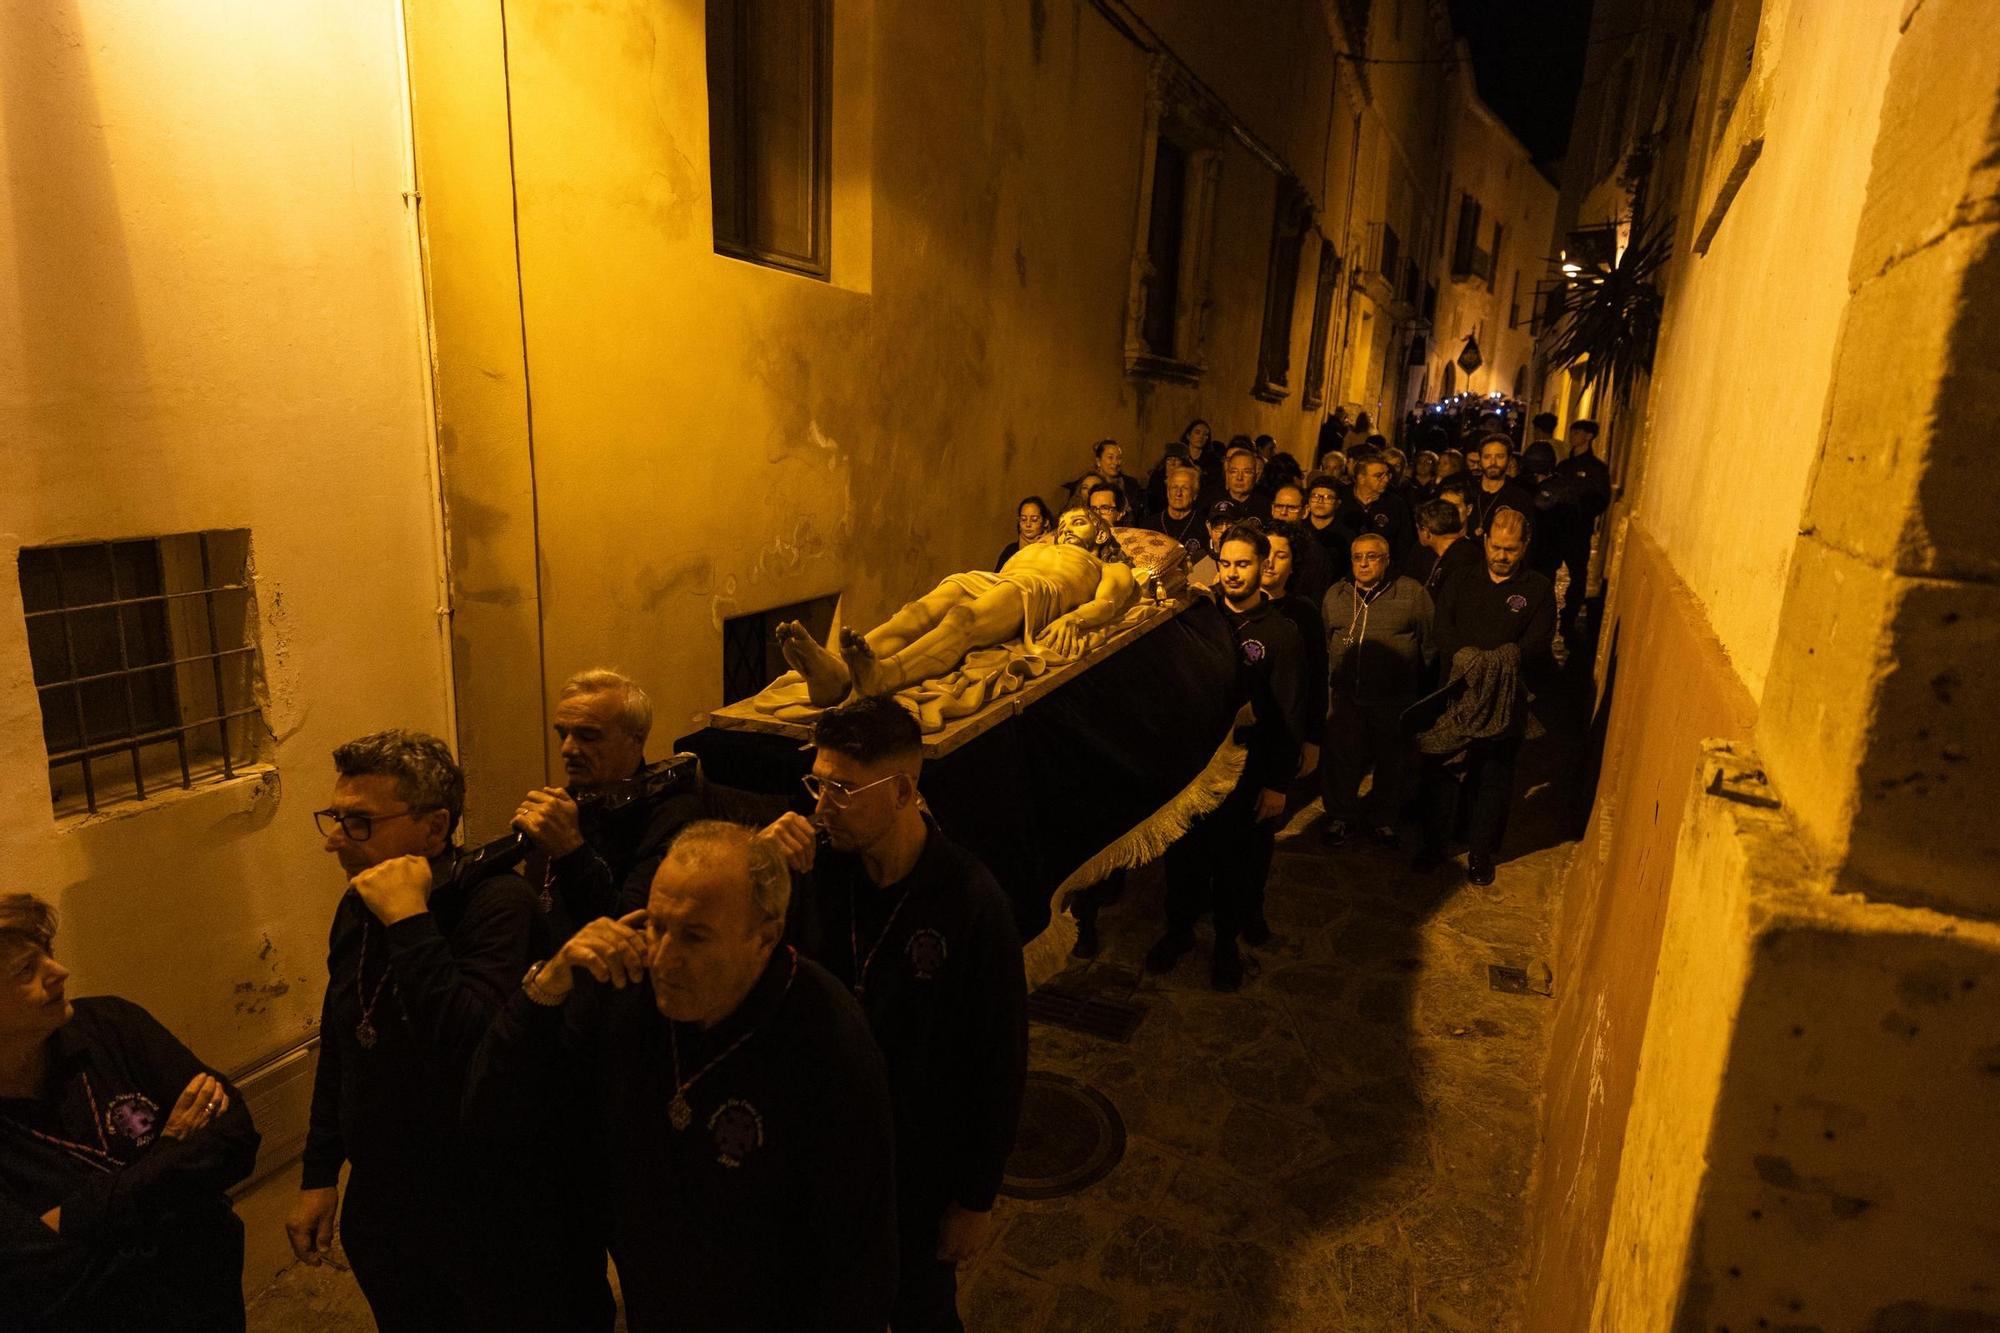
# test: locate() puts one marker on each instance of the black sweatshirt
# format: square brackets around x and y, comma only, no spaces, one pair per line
[1306,618]
[1475,612]
[947,1001]
[1432,570]
[1387,515]
[775,1209]
[1270,664]
[394,1106]
[147,1238]
[1511,495]
[612,873]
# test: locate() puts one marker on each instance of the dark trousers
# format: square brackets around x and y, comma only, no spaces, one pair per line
[1363,739]
[1086,902]
[435,1260]
[1218,866]
[926,1294]
[1481,775]
[1576,559]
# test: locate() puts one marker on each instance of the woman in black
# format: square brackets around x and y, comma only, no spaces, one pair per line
[1032,522]
[116,1149]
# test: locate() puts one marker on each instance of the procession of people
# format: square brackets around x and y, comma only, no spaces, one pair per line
[768,1054]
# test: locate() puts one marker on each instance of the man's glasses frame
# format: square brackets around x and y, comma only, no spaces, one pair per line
[836,793]
[359,827]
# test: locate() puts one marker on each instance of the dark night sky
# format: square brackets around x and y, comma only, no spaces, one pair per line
[1528,55]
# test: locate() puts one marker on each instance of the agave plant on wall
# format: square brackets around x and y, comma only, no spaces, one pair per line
[1608,320]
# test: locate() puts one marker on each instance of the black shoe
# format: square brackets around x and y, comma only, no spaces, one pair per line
[1225,973]
[1479,870]
[1257,933]
[1336,833]
[1167,950]
[1087,944]
[1385,836]
[1426,860]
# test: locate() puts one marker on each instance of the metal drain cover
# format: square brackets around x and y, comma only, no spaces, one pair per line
[1070,1138]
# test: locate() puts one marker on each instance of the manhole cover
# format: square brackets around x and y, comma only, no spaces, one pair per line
[1070,1138]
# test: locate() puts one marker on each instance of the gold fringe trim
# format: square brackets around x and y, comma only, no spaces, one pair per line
[1048,953]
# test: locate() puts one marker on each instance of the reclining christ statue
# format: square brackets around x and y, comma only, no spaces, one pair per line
[1051,595]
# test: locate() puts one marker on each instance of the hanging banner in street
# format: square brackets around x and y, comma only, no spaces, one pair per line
[1469,360]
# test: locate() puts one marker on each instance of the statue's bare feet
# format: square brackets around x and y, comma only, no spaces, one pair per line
[825,675]
[863,667]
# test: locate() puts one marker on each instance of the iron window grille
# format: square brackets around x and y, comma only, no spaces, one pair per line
[145,663]
[750,656]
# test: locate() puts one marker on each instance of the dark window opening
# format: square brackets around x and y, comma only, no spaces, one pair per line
[769,75]
[1465,246]
[1163,247]
[1392,249]
[144,663]
[750,657]
[1313,393]
[1291,218]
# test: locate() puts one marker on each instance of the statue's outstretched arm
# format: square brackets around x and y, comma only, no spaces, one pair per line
[1115,591]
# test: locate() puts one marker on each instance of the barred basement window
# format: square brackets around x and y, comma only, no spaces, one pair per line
[144,664]
[750,657]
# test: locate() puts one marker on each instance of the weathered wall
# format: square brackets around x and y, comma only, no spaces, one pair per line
[1741,376]
[710,437]
[1826,1062]
[1882,721]
[216,322]
[1803,1135]
[1672,688]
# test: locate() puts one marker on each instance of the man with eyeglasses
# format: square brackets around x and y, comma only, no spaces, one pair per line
[418,963]
[924,936]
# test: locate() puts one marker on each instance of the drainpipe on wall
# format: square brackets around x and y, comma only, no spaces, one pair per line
[427,344]
[1347,263]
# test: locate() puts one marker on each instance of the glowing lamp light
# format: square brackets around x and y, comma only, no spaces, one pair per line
[1572,270]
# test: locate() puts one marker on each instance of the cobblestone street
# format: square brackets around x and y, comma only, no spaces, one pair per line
[1343,1145]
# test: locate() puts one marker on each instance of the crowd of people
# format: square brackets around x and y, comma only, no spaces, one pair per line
[770,1064]
[1391,616]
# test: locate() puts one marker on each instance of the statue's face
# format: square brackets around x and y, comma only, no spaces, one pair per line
[1077,528]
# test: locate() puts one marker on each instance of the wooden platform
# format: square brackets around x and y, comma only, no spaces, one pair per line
[744,716]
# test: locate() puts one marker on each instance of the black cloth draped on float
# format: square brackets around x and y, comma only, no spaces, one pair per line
[1043,792]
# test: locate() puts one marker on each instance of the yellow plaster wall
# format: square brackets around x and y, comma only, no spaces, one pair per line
[711,437]
[1746,350]
[213,320]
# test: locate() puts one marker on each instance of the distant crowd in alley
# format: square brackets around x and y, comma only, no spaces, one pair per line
[771,1065]
[1392,613]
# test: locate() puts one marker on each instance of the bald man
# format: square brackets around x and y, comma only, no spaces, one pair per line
[743,1105]
[1502,602]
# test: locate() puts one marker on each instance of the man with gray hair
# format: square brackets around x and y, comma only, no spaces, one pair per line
[594,855]
[741,1101]
[419,960]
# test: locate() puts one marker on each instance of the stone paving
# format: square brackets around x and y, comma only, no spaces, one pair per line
[1345,1144]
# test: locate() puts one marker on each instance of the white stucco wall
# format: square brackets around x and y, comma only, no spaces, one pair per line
[214,320]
